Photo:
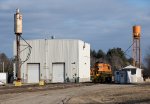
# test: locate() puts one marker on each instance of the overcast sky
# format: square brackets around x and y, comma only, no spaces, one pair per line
[104,24]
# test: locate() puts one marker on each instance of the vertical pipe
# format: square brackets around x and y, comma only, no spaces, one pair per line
[139,54]
[14,71]
[18,57]
[3,67]
[136,54]
[133,52]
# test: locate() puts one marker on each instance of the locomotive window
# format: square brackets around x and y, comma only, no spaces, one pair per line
[99,66]
[109,67]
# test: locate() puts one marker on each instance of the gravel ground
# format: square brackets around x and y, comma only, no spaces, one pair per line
[94,94]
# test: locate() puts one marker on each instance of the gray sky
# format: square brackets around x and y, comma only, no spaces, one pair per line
[104,24]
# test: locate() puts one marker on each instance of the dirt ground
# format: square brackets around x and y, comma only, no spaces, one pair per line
[94,94]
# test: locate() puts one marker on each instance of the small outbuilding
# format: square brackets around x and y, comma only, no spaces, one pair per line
[129,74]
[3,78]
[55,61]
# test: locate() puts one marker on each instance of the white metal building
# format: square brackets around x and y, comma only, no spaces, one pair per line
[3,78]
[55,60]
[129,74]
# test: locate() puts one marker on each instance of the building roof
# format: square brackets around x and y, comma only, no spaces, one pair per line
[130,67]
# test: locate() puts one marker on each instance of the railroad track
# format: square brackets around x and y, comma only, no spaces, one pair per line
[36,87]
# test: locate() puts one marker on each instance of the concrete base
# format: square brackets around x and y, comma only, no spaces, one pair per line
[18,83]
[41,83]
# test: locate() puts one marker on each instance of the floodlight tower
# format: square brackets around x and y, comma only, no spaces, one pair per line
[136,53]
[18,32]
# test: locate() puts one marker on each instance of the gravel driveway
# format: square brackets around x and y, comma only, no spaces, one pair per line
[95,94]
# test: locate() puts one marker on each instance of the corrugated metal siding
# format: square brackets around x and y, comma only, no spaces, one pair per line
[84,61]
[139,72]
[37,56]
[33,73]
[3,78]
[58,72]
[66,51]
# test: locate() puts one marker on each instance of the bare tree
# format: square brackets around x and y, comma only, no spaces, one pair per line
[5,63]
[147,62]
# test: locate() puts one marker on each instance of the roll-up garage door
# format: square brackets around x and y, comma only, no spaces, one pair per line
[58,73]
[33,73]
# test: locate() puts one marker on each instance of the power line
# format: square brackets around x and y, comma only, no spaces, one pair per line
[125,52]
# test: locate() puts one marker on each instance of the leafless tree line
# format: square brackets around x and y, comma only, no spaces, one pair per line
[6,64]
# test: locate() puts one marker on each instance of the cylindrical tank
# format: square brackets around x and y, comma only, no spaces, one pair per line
[17,22]
[136,31]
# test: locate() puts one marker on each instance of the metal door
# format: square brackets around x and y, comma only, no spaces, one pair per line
[122,76]
[33,73]
[58,73]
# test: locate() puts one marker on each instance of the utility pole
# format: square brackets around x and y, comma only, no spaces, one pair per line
[18,32]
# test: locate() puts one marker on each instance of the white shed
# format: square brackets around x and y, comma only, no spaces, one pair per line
[129,74]
[55,60]
[3,78]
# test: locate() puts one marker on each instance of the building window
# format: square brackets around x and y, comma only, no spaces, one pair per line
[117,73]
[133,71]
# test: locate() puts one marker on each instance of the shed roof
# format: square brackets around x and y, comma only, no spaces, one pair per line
[130,67]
